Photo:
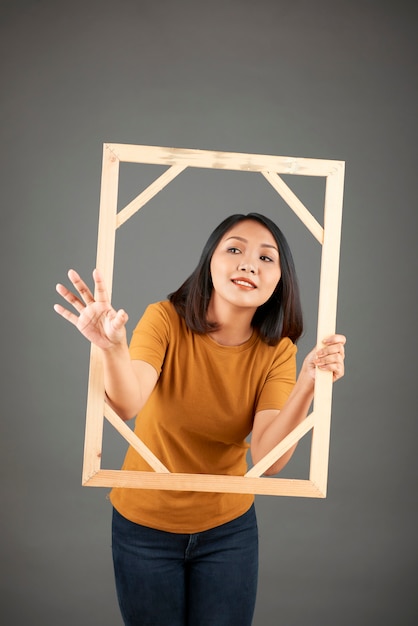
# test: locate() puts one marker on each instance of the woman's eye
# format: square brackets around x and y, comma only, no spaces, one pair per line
[234,250]
[266,258]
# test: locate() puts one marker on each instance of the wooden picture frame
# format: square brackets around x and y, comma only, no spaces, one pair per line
[328,235]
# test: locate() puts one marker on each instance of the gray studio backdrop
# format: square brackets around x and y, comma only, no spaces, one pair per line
[333,80]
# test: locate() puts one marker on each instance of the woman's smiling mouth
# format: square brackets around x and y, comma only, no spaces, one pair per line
[243,282]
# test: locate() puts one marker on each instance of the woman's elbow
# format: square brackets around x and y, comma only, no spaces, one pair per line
[125,413]
[277,465]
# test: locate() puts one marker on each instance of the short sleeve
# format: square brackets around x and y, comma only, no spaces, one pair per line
[151,337]
[280,379]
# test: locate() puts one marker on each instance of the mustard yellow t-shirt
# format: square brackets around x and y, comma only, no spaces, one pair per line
[198,416]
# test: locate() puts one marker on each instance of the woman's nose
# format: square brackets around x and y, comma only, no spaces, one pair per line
[245,266]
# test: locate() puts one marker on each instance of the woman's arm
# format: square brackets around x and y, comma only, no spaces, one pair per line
[128,384]
[271,426]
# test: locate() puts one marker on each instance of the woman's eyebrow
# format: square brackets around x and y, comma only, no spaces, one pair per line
[263,245]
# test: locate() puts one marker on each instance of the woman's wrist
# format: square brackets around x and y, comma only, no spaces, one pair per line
[305,383]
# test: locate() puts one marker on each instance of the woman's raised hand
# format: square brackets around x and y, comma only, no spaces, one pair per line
[96,319]
[329,357]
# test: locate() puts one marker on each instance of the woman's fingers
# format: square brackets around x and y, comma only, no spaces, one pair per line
[117,318]
[331,356]
[81,287]
[101,291]
[66,314]
[94,316]
[86,295]
[70,297]
[338,340]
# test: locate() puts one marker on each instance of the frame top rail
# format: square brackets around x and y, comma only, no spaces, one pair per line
[157,155]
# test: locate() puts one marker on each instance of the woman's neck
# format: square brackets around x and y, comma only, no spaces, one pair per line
[228,337]
[234,324]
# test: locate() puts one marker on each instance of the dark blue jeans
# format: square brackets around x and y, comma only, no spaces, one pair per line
[170,579]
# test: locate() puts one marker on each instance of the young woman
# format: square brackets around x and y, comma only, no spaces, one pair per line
[206,367]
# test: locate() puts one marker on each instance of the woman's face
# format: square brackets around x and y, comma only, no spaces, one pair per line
[245,267]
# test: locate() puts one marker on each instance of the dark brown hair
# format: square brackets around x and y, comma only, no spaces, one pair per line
[280,316]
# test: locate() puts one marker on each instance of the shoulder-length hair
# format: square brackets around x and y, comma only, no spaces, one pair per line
[279,317]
